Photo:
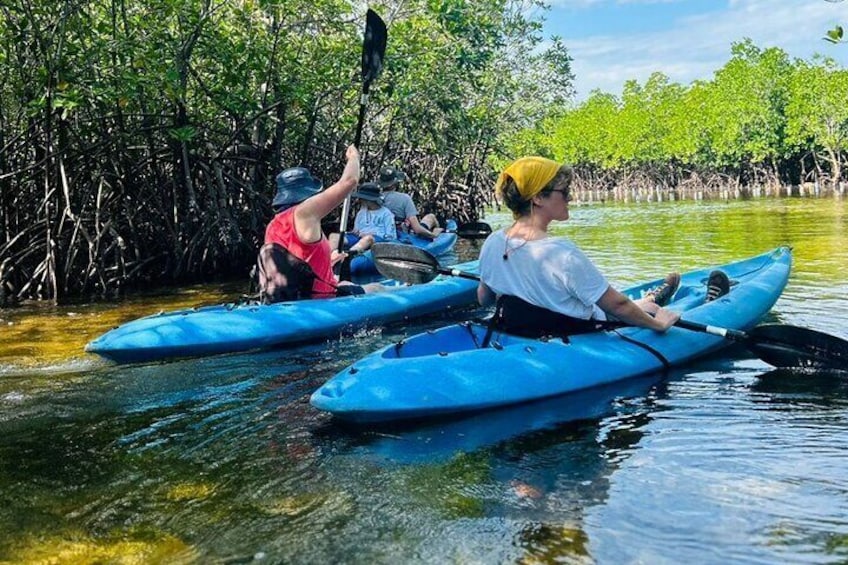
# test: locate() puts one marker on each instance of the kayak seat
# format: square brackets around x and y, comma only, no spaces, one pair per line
[282,277]
[518,317]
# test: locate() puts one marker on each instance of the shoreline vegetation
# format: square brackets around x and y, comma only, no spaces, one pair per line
[698,191]
[139,142]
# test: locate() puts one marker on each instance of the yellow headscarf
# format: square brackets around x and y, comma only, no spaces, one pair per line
[531,175]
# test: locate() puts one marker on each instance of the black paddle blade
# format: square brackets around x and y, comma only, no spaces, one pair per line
[474,230]
[791,346]
[373,48]
[405,263]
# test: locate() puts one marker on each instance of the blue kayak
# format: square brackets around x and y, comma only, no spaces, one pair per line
[441,245]
[231,328]
[447,372]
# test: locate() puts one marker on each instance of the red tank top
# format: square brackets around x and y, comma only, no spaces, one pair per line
[281,231]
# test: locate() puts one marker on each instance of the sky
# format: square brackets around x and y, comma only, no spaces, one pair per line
[612,41]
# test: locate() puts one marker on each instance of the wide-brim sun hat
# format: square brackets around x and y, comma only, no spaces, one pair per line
[294,185]
[369,191]
[390,176]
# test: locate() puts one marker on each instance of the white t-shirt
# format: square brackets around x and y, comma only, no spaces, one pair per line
[379,222]
[551,273]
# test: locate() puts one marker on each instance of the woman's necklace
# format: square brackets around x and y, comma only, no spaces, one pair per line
[509,250]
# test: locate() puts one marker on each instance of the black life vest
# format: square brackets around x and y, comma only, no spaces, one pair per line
[281,276]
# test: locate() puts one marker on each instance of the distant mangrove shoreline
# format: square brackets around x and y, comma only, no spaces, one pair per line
[627,194]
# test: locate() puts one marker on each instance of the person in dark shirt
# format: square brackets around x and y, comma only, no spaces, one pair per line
[403,208]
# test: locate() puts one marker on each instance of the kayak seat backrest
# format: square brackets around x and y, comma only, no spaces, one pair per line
[281,276]
[518,317]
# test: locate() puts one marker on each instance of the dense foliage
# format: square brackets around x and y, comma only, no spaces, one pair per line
[139,140]
[763,118]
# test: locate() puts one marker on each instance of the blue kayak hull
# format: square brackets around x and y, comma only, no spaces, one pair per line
[446,372]
[443,243]
[232,328]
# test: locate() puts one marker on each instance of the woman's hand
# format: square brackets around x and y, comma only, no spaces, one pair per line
[352,152]
[351,173]
[666,318]
[353,168]
[336,257]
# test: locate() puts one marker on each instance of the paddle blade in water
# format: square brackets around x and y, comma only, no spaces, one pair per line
[474,230]
[405,263]
[791,346]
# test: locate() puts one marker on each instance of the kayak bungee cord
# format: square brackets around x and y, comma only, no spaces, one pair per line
[646,347]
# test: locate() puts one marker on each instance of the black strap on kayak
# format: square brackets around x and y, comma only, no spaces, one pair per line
[470,329]
[494,322]
[648,348]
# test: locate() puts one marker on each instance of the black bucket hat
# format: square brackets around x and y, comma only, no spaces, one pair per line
[294,185]
[390,176]
[369,191]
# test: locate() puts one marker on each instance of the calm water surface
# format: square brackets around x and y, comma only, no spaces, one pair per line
[222,459]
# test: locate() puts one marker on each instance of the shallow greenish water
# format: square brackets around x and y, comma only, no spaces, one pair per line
[222,459]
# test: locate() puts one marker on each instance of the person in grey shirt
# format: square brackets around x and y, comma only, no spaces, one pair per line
[402,206]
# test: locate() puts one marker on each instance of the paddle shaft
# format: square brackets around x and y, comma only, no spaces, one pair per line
[457,273]
[357,139]
[734,335]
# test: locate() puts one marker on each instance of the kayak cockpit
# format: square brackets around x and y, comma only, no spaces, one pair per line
[458,338]
[450,339]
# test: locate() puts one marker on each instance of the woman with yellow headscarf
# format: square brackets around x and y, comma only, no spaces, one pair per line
[546,285]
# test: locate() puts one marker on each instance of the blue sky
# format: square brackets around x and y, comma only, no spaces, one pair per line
[612,41]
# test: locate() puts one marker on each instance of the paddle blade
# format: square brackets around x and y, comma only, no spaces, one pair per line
[373,48]
[474,230]
[791,346]
[405,263]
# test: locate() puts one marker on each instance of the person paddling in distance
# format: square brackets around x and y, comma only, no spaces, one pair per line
[373,223]
[548,277]
[296,247]
[403,208]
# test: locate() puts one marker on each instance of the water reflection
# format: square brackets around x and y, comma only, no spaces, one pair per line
[434,441]
[533,468]
[821,387]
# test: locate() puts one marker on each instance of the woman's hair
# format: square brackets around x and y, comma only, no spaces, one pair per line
[521,207]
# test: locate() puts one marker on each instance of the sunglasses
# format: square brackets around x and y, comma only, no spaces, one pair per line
[564,191]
